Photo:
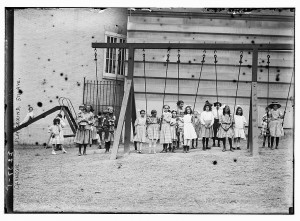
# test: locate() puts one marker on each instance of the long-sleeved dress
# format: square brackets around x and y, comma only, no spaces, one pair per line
[197,126]
[153,128]
[265,125]
[173,127]
[140,129]
[165,132]
[83,134]
[207,119]
[189,132]
[275,124]
[226,123]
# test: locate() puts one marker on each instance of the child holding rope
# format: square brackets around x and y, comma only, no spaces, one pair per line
[165,132]
[173,124]
[225,130]
[188,128]
[276,129]
[153,130]
[207,121]
[140,131]
[265,131]
[239,127]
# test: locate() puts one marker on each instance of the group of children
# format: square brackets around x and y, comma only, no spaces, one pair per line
[185,126]
[176,128]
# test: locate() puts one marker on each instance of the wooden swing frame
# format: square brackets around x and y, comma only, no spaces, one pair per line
[128,110]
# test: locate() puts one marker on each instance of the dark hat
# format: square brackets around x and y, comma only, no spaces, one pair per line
[215,104]
[274,103]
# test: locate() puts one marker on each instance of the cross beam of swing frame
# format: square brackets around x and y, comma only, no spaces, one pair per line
[253,115]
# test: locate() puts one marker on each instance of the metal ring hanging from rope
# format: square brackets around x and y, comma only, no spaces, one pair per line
[202,62]
[237,86]
[268,91]
[144,62]
[178,62]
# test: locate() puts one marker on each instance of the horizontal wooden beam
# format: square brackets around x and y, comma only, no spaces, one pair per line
[197,79]
[229,16]
[208,95]
[232,47]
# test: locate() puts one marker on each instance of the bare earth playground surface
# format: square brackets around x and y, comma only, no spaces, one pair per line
[155,183]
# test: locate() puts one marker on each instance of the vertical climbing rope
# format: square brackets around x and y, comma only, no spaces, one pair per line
[178,63]
[167,65]
[96,66]
[202,62]
[215,56]
[288,96]
[144,62]
[237,86]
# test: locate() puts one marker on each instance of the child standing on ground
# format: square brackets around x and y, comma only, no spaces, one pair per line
[173,125]
[165,131]
[153,130]
[63,125]
[180,114]
[276,129]
[55,130]
[188,128]
[109,127]
[99,127]
[239,127]
[207,121]
[197,126]
[140,131]
[265,131]
[226,130]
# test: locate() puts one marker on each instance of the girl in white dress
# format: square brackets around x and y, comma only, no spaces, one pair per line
[239,127]
[152,123]
[207,121]
[55,130]
[189,132]
[140,131]
[275,124]
[165,131]
[173,125]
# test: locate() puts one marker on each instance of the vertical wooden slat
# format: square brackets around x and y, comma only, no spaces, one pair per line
[129,108]
[254,110]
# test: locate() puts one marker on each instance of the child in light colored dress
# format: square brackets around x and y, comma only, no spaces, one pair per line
[152,123]
[265,131]
[165,130]
[180,114]
[188,128]
[173,124]
[276,129]
[226,128]
[197,126]
[140,131]
[239,127]
[207,121]
[55,130]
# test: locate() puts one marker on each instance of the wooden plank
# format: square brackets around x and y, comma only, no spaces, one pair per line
[190,21]
[203,13]
[170,46]
[254,112]
[207,29]
[123,111]
[128,123]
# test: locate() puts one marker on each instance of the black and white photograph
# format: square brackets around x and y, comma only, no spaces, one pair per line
[149,110]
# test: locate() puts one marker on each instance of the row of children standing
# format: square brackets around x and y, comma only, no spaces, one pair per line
[183,127]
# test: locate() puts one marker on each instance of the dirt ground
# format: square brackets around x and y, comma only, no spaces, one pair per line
[154,183]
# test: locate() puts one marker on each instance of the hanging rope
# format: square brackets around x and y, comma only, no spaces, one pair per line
[215,56]
[95,59]
[178,62]
[268,89]
[167,64]
[116,80]
[288,96]
[237,86]
[202,62]
[144,61]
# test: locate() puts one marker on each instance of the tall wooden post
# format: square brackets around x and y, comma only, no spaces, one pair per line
[128,122]
[254,111]
[9,112]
